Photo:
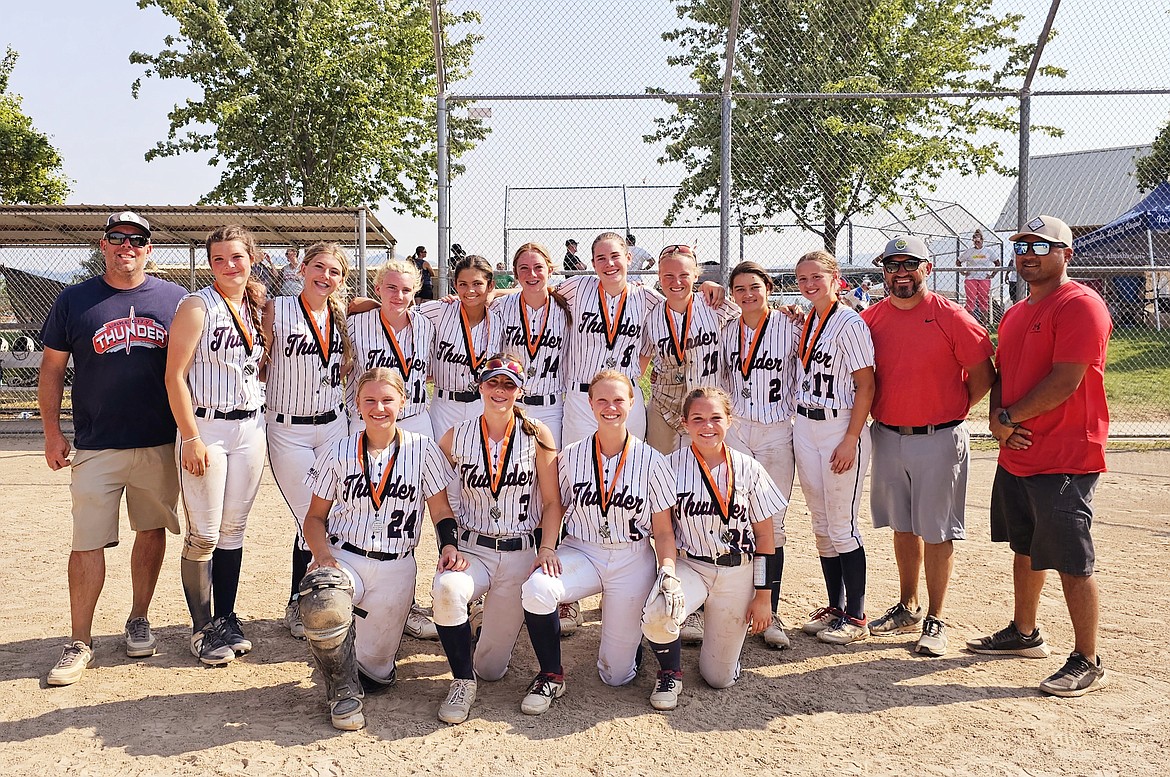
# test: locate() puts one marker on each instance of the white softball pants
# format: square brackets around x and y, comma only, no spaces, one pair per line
[833,500]
[771,445]
[388,590]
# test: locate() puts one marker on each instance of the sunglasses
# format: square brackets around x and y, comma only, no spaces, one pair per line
[676,249]
[909,265]
[138,241]
[1039,247]
[503,364]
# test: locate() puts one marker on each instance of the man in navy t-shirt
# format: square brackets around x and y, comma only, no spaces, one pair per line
[115,328]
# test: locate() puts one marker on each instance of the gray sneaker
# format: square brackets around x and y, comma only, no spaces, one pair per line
[933,641]
[210,647]
[139,639]
[1076,678]
[899,619]
[75,657]
[1009,641]
[292,620]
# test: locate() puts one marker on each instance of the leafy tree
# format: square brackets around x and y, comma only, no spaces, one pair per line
[312,102]
[30,168]
[824,160]
[1154,168]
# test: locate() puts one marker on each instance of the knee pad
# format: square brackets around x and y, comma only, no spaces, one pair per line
[451,594]
[541,594]
[326,605]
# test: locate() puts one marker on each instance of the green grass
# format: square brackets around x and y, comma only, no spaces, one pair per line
[1137,375]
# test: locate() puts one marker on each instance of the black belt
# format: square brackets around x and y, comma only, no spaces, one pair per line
[309,420]
[376,555]
[459,396]
[816,413]
[504,544]
[583,388]
[550,400]
[929,429]
[219,415]
[726,560]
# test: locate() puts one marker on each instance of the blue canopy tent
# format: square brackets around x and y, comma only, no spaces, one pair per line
[1140,237]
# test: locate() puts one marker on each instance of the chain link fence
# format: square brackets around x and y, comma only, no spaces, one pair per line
[762,130]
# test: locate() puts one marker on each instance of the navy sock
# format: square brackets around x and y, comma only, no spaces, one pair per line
[225,579]
[834,583]
[545,633]
[669,656]
[853,572]
[457,645]
[301,558]
[775,567]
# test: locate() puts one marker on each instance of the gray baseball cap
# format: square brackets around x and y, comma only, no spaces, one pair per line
[1047,228]
[905,245]
[127,218]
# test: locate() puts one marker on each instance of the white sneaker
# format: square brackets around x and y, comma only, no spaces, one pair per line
[292,620]
[692,629]
[845,630]
[666,691]
[821,619]
[775,636]
[457,706]
[419,624]
[75,657]
[346,714]
[541,693]
[570,615]
[139,639]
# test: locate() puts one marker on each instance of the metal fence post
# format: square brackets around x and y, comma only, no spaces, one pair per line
[361,251]
[725,145]
[442,160]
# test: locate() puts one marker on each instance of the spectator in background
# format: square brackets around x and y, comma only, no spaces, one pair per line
[265,271]
[977,281]
[291,281]
[640,258]
[860,299]
[502,278]
[419,259]
[572,262]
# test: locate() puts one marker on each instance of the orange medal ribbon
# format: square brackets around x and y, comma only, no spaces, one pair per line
[496,473]
[748,355]
[807,348]
[679,344]
[376,492]
[324,339]
[611,330]
[533,345]
[468,345]
[726,504]
[605,494]
[249,343]
[404,365]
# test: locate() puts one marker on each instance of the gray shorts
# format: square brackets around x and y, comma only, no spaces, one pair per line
[918,482]
[1046,517]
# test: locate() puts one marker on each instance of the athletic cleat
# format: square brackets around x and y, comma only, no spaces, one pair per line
[899,619]
[1076,678]
[292,620]
[819,620]
[570,615]
[346,714]
[139,639]
[233,634]
[691,630]
[1008,641]
[933,641]
[419,624]
[845,630]
[775,635]
[75,657]
[457,706]
[210,647]
[475,617]
[541,693]
[666,691]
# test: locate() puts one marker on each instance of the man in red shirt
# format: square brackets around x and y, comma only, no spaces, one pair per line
[1049,415]
[933,362]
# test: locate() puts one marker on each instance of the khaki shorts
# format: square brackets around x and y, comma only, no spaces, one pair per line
[150,480]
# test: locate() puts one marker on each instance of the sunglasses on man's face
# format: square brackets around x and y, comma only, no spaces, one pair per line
[909,265]
[1039,247]
[118,238]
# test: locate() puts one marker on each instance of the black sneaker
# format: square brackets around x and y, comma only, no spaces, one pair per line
[233,634]
[1076,678]
[1008,641]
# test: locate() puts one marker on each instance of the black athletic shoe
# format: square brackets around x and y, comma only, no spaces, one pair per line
[1076,678]
[233,634]
[1008,641]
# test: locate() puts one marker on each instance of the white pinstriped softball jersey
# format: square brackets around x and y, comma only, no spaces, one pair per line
[547,327]
[510,507]
[700,365]
[843,347]
[643,487]
[299,382]
[224,375]
[418,471]
[771,380]
[590,352]
[451,367]
[373,347]
[700,526]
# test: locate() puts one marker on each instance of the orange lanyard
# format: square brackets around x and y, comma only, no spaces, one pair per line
[404,365]
[533,345]
[611,329]
[468,343]
[496,473]
[324,339]
[679,344]
[376,492]
[726,503]
[748,355]
[807,348]
[604,495]
[242,330]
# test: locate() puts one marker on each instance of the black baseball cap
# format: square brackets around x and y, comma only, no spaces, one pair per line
[570,242]
[127,218]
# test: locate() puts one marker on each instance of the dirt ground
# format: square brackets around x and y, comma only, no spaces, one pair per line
[870,708]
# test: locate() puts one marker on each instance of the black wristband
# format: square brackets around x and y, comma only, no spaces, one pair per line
[447,533]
